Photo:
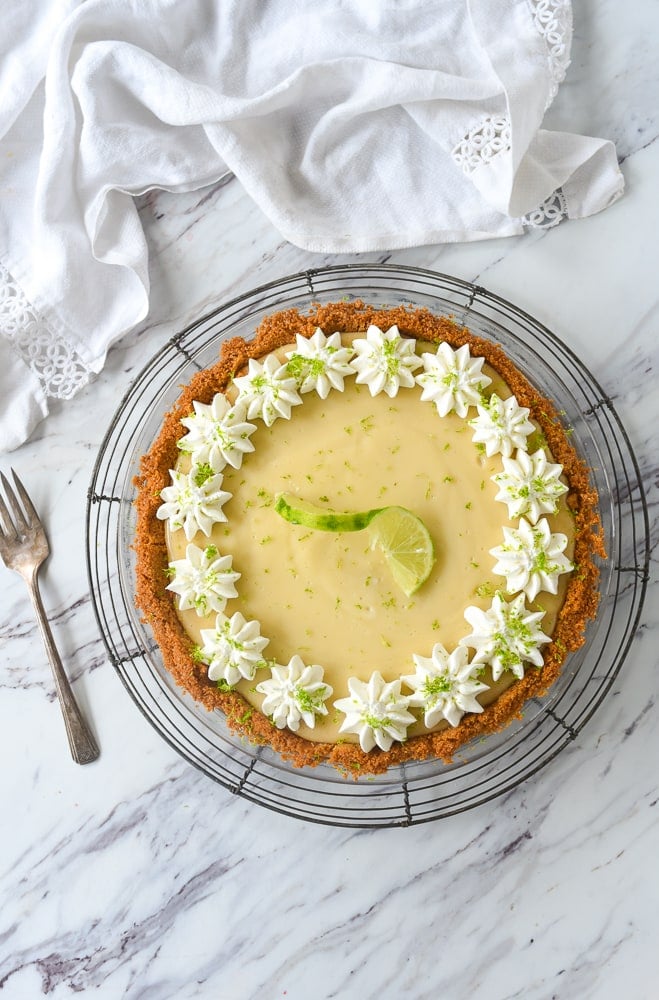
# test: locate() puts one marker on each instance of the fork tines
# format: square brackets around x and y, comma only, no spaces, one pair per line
[24,518]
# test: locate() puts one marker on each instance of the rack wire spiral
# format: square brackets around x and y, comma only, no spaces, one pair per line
[414,792]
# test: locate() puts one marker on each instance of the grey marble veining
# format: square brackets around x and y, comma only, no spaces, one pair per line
[138,877]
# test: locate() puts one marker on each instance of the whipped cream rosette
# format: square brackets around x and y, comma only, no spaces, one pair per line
[445,685]
[531,558]
[385,361]
[217,434]
[194,501]
[319,363]
[204,580]
[530,485]
[294,693]
[501,425]
[233,649]
[376,711]
[506,636]
[267,391]
[452,380]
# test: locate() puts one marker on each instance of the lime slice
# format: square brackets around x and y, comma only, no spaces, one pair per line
[406,544]
[401,535]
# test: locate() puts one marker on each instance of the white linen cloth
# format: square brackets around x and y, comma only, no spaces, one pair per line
[354,124]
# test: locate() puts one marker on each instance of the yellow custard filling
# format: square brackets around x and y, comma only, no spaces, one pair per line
[330,597]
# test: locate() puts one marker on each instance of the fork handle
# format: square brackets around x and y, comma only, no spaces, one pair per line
[84,748]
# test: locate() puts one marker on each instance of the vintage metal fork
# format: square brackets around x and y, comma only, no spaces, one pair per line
[24,547]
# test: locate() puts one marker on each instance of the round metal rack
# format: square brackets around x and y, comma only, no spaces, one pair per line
[416,792]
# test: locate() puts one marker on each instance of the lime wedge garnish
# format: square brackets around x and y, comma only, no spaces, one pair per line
[298,511]
[401,535]
[406,544]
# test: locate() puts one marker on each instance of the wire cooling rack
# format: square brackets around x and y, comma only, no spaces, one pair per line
[420,791]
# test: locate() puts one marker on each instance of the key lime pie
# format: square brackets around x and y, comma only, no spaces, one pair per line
[365,537]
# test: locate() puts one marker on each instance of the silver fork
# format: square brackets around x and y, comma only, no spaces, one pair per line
[24,547]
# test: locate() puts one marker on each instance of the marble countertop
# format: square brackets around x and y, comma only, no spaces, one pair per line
[138,877]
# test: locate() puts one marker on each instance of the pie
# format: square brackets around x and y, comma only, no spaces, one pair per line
[274,565]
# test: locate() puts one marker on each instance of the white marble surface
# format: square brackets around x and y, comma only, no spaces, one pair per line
[137,877]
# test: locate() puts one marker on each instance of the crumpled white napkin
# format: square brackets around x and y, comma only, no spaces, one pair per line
[354,126]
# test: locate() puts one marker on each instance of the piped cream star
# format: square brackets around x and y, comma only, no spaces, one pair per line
[385,361]
[376,711]
[452,380]
[445,685]
[531,558]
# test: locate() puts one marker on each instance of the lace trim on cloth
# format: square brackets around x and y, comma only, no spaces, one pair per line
[482,143]
[552,211]
[55,363]
[553,20]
